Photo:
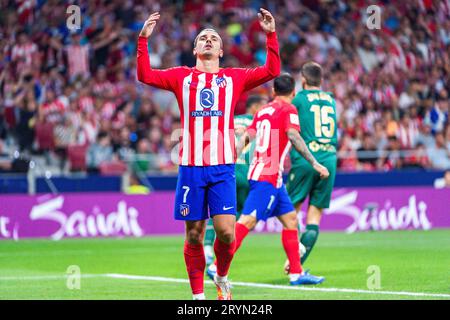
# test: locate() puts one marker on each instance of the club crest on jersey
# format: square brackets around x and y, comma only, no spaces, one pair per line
[221,82]
[206,98]
[184,209]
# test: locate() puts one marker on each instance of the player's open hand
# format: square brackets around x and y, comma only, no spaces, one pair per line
[266,20]
[149,25]
[323,171]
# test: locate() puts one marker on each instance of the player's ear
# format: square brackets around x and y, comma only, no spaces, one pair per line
[194,52]
[220,53]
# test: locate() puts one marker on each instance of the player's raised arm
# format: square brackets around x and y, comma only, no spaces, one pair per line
[299,144]
[163,79]
[271,69]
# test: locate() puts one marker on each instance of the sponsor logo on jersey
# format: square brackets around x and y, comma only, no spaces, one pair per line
[212,113]
[206,98]
[221,82]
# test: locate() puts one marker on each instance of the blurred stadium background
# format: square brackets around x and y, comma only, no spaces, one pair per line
[80,137]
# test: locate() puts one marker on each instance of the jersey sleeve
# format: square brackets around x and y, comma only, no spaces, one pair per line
[291,120]
[254,77]
[163,79]
[251,129]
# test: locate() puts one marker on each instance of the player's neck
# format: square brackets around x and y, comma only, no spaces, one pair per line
[210,66]
[311,88]
[283,98]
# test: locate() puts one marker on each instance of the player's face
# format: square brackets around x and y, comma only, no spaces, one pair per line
[209,45]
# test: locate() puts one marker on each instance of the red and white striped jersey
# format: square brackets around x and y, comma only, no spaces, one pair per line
[53,111]
[207,102]
[24,52]
[78,59]
[270,126]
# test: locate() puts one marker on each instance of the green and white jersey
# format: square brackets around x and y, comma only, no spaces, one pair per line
[243,121]
[318,123]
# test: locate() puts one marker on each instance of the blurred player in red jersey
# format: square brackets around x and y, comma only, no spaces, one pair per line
[276,127]
[207,96]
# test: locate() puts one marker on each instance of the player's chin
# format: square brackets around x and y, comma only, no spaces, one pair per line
[209,55]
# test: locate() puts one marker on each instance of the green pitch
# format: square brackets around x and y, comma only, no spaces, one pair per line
[408,261]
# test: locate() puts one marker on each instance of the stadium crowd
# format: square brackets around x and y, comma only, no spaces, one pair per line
[74,96]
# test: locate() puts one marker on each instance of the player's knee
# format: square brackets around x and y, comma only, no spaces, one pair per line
[290,221]
[226,236]
[248,221]
[194,236]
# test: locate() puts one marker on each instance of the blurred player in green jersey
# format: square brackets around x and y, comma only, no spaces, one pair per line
[318,126]
[241,122]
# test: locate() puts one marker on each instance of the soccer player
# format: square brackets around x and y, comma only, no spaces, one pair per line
[317,112]
[241,122]
[276,127]
[207,95]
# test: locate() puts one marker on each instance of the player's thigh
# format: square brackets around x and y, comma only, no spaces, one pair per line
[242,186]
[284,209]
[300,182]
[320,195]
[190,196]
[221,192]
[261,200]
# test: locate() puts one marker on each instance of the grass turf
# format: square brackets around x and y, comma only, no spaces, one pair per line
[413,261]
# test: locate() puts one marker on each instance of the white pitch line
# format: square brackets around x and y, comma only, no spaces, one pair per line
[283,287]
[47,277]
[234,283]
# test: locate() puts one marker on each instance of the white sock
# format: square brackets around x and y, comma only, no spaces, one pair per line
[222,279]
[294,276]
[198,296]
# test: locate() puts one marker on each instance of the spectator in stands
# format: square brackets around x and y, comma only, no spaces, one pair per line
[65,135]
[391,158]
[437,117]
[77,58]
[347,156]
[367,154]
[417,158]
[439,154]
[5,158]
[407,132]
[27,107]
[99,152]
[143,159]
[136,187]
[24,51]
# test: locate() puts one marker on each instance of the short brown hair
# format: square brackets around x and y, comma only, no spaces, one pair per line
[208,29]
[312,72]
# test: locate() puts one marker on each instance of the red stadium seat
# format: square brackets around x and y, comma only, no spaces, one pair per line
[44,136]
[77,157]
[113,168]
